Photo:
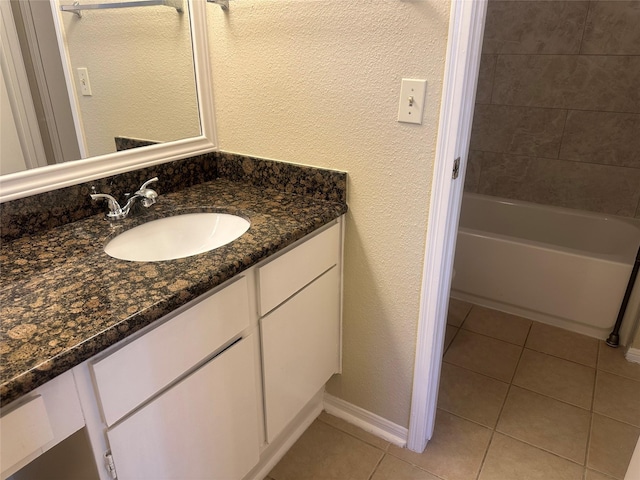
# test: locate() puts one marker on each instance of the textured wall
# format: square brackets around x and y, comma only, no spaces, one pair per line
[317,83]
[558,105]
[141,72]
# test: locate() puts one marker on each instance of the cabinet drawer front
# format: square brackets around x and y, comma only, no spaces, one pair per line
[204,427]
[137,371]
[290,272]
[300,348]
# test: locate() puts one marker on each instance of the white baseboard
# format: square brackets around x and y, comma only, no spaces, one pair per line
[633,355]
[370,422]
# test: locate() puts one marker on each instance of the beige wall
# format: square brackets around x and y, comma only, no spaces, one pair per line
[636,340]
[317,83]
[140,67]
[558,105]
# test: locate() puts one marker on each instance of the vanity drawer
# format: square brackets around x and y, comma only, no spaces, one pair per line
[290,272]
[137,371]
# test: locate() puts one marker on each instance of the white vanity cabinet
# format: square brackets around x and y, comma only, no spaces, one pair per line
[176,403]
[299,298]
[211,390]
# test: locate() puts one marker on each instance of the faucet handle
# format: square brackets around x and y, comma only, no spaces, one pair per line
[148,195]
[146,184]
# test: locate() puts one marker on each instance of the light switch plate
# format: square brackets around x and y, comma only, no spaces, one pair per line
[83,78]
[412,95]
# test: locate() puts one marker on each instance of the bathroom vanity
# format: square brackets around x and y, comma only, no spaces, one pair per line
[190,368]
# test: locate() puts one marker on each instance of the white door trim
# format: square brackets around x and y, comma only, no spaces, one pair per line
[466,27]
[20,98]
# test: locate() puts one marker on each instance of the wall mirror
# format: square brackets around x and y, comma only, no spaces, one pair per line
[130,73]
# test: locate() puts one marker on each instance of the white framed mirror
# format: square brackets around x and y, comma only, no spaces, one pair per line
[50,177]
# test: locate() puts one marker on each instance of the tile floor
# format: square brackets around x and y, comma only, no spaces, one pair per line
[518,400]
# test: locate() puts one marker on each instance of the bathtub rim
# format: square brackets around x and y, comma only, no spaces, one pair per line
[620,257]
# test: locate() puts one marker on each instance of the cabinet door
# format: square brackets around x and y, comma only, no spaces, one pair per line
[300,348]
[206,426]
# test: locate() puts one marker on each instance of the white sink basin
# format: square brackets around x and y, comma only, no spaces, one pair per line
[176,237]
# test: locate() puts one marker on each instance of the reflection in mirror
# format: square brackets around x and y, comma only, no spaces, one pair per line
[125,73]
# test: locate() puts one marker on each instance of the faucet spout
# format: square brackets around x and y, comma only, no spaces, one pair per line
[115,212]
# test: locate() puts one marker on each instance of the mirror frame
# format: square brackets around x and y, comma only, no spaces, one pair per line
[43,179]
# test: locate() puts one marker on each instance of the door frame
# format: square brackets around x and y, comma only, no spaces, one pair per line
[464,46]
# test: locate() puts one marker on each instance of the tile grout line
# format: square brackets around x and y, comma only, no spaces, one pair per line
[584,28]
[504,402]
[384,454]
[559,159]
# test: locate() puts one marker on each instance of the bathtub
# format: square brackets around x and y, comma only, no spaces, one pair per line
[563,267]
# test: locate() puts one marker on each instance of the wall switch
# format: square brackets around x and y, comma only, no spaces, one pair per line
[412,95]
[83,78]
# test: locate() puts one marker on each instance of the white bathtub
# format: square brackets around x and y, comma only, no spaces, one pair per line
[559,266]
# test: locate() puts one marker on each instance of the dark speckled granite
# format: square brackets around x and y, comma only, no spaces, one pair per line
[51,209]
[317,183]
[63,300]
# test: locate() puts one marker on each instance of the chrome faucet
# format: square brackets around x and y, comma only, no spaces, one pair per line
[146,195]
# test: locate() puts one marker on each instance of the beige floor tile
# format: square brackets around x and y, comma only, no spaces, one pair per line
[541,421]
[454,452]
[593,475]
[449,334]
[617,397]
[561,379]
[612,360]
[485,355]
[357,432]
[611,446]
[510,459]
[458,311]
[471,395]
[392,468]
[325,453]
[563,343]
[500,325]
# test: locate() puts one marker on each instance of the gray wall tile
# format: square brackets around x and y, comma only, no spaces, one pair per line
[540,59]
[521,130]
[472,175]
[612,28]
[534,27]
[581,82]
[485,78]
[602,137]
[598,188]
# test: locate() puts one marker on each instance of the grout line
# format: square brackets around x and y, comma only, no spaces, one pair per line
[553,107]
[586,453]
[493,78]
[558,159]
[547,107]
[504,402]
[561,358]
[562,135]
[584,28]
[376,467]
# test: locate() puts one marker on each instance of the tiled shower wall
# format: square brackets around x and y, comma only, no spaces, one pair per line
[557,118]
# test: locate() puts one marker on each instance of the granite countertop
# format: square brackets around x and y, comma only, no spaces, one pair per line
[63,300]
